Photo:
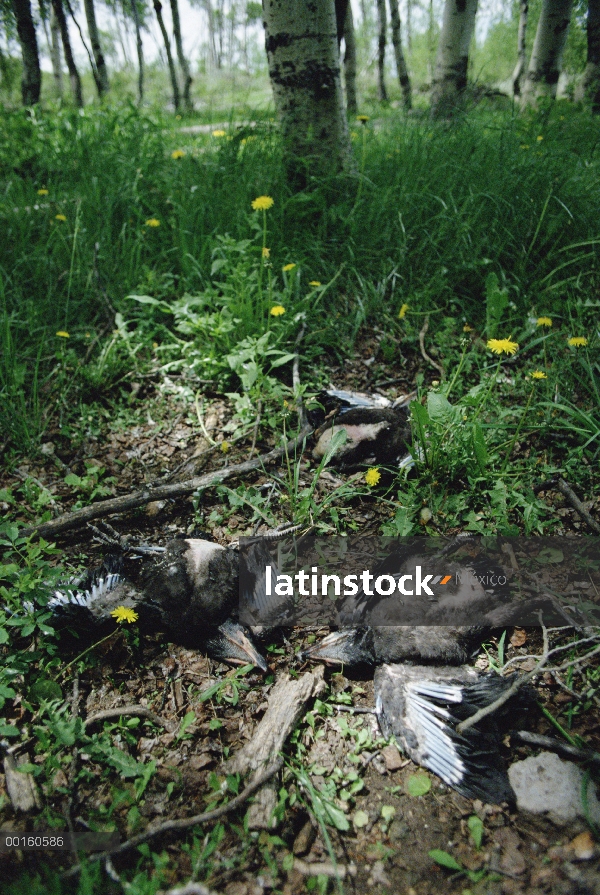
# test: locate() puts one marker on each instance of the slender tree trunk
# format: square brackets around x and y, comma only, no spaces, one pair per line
[521,51]
[590,83]
[341,7]
[399,55]
[90,16]
[452,62]
[546,55]
[381,42]
[350,62]
[55,53]
[74,78]
[210,16]
[304,66]
[409,26]
[31,83]
[140,49]
[183,63]
[172,72]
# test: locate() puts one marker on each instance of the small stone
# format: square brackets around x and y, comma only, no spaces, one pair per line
[59,779]
[392,758]
[583,847]
[545,784]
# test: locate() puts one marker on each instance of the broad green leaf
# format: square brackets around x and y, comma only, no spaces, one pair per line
[549,556]
[440,409]
[444,859]
[45,689]
[476,829]
[360,819]
[387,812]
[418,784]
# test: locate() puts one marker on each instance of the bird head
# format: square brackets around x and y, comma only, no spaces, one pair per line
[232,643]
[349,646]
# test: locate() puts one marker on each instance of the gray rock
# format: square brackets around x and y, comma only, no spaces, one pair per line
[545,784]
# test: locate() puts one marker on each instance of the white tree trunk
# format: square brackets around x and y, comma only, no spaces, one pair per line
[31,82]
[401,68]
[140,49]
[172,72]
[304,66]
[452,61]
[55,53]
[521,54]
[74,78]
[590,84]
[183,62]
[546,55]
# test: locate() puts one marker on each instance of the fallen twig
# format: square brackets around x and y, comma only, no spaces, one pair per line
[184,823]
[322,868]
[565,489]
[536,739]
[135,499]
[139,711]
[517,684]
[300,409]
[424,354]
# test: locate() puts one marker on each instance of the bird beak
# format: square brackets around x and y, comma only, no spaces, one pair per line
[243,650]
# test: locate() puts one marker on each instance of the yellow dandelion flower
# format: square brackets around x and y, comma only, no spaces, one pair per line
[543,321]
[266,253]
[177,153]
[524,146]
[402,311]
[152,222]
[288,267]
[467,328]
[362,118]
[225,447]
[578,341]
[123,614]
[60,217]
[538,374]
[42,192]
[539,139]
[218,133]
[502,346]
[63,334]
[262,203]
[372,476]
[315,283]
[178,118]
[277,311]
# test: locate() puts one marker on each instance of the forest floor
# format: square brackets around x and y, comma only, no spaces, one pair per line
[396,814]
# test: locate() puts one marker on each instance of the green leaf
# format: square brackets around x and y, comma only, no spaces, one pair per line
[44,689]
[189,719]
[476,829]
[444,859]
[360,819]
[418,785]
[387,812]
[440,409]
[479,446]
[549,556]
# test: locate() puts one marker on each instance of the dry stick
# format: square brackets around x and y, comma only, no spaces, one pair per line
[424,354]
[566,490]
[520,681]
[184,823]
[296,380]
[313,868]
[536,739]
[138,498]
[139,711]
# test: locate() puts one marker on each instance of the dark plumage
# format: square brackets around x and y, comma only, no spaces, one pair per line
[421,706]
[377,430]
[190,591]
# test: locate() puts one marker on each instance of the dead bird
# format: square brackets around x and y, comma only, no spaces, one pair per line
[421,706]
[190,591]
[377,429]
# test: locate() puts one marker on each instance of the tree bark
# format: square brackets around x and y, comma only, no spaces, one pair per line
[381,42]
[521,52]
[140,49]
[90,16]
[31,83]
[350,62]
[304,67]
[172,72]
[452,61]
[409,25]
[590,83]
[55,54]
[74,78]
[546,55]
[399,55]
[183,63]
